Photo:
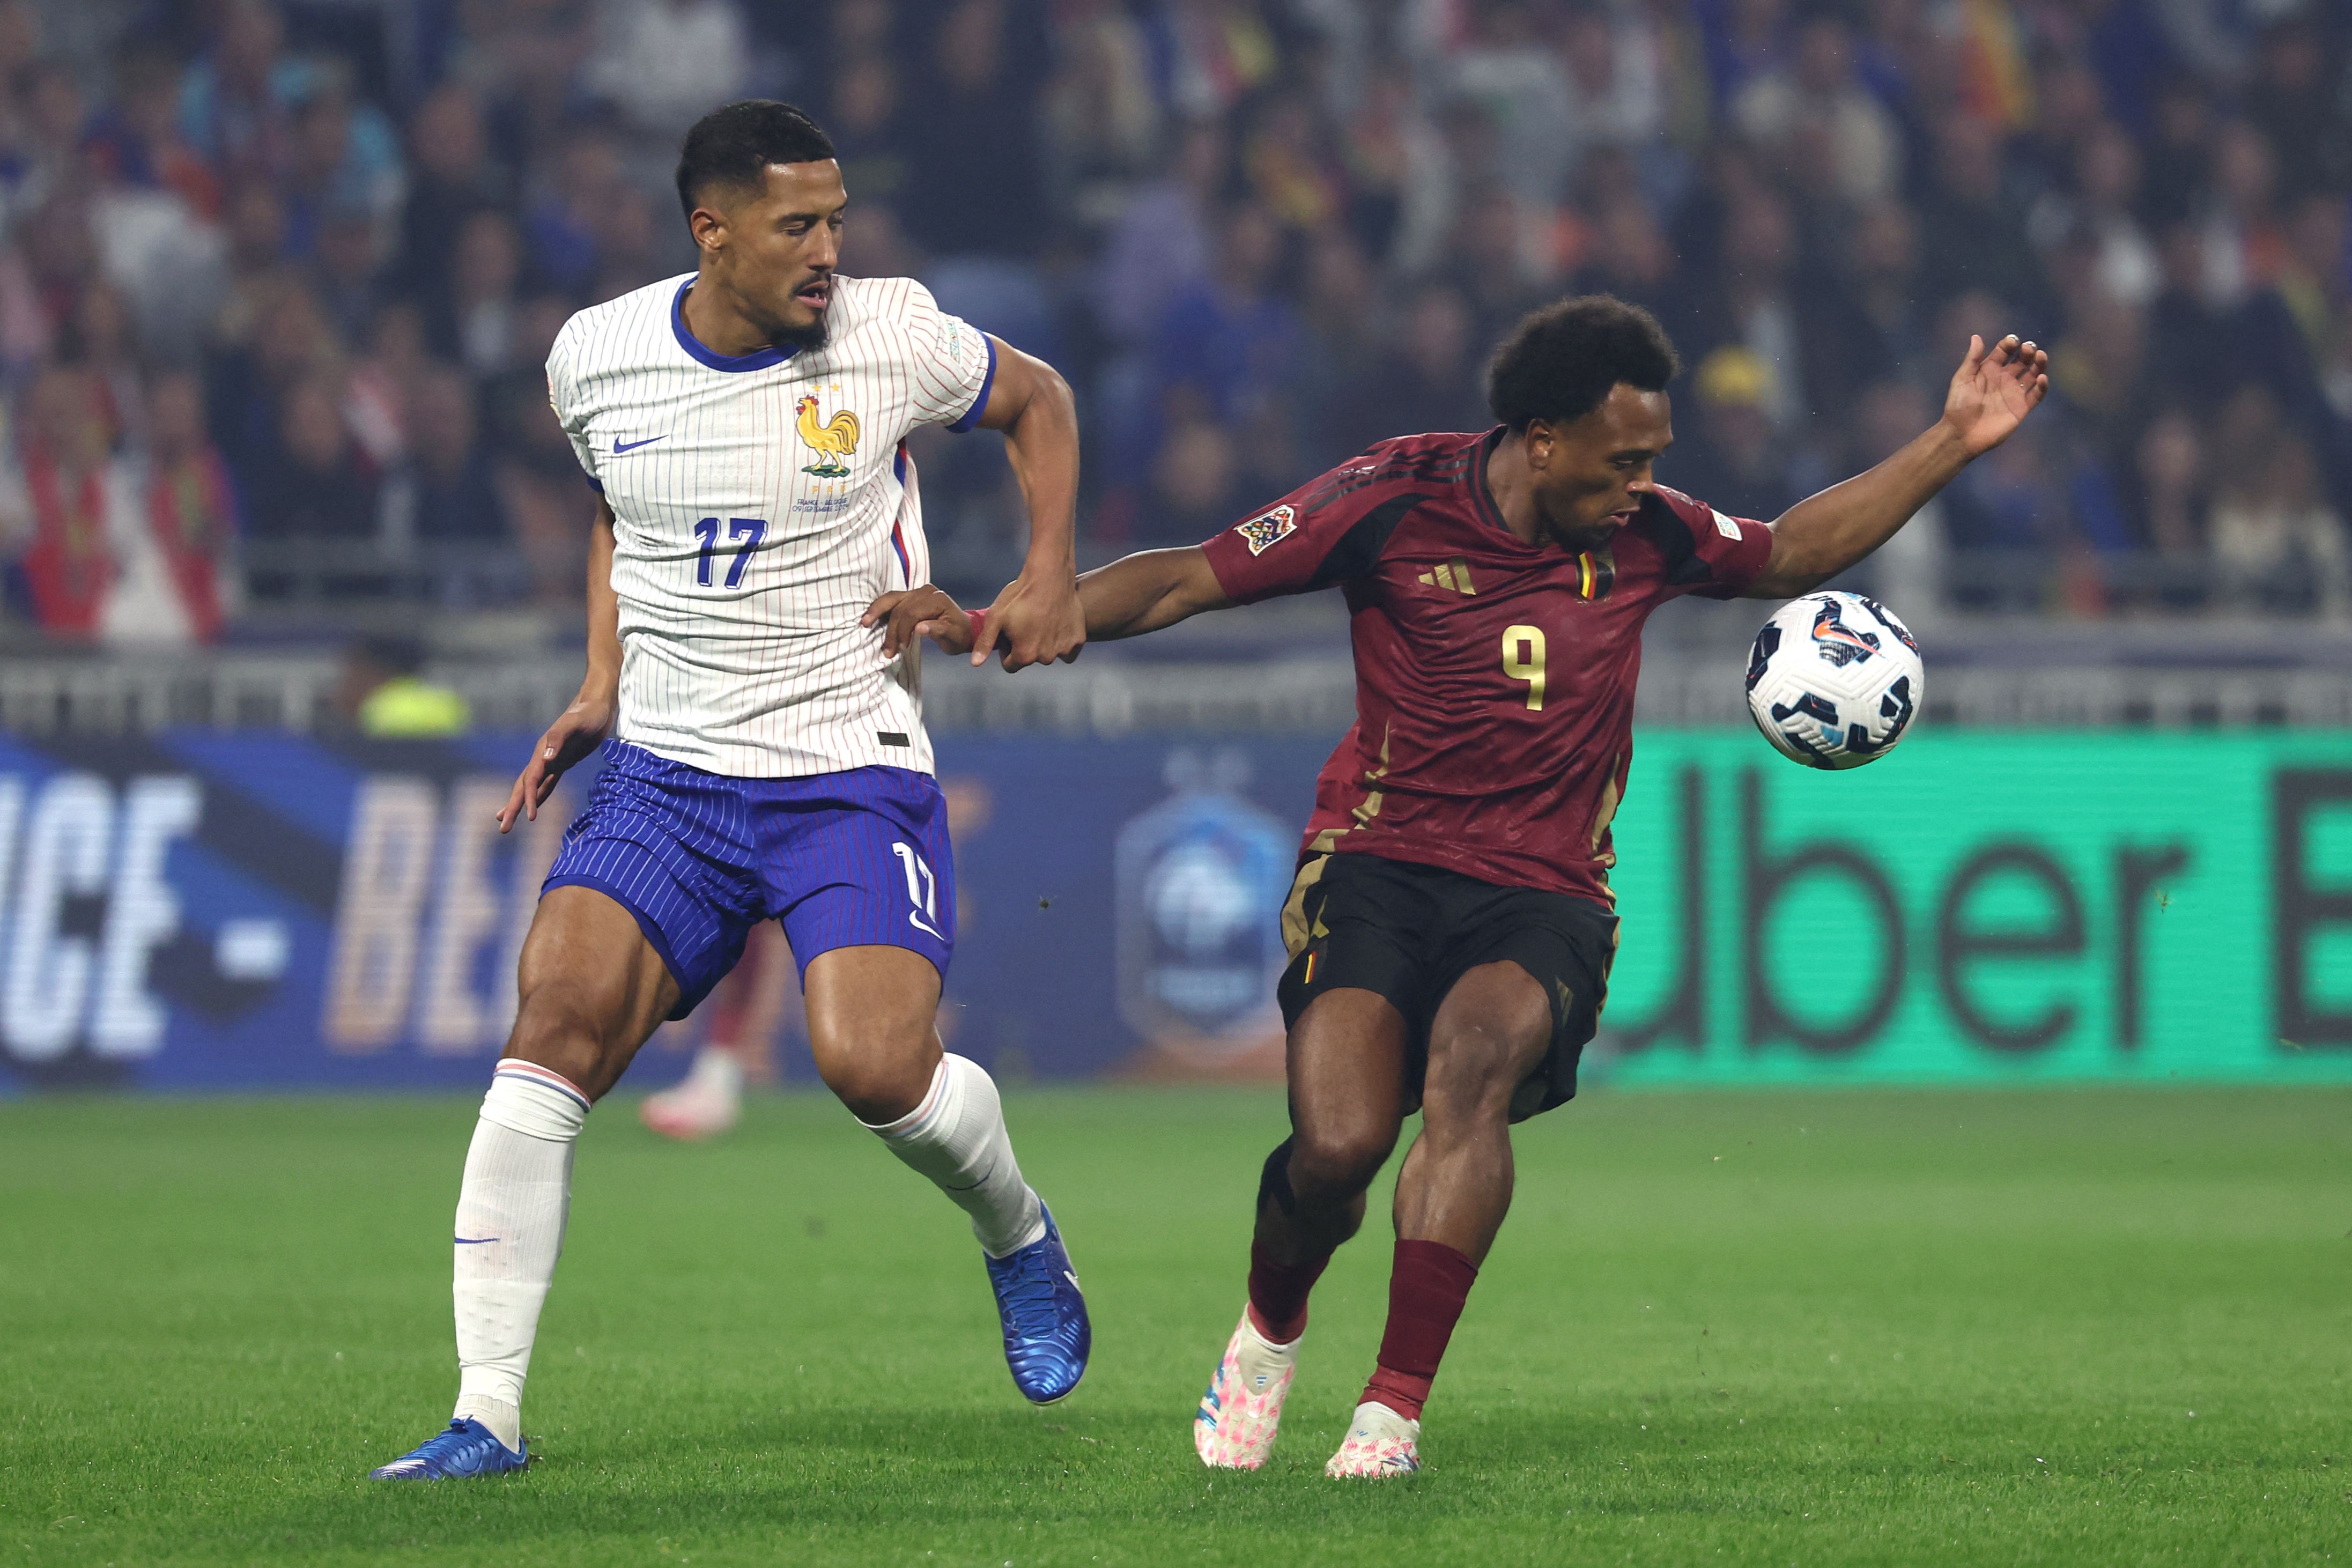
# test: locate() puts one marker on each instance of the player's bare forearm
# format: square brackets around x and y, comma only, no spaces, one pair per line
[1149,590]
[583,726]
[1827,533]
[1820,536]
[1036,616]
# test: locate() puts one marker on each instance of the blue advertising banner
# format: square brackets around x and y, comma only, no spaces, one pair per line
[200,910]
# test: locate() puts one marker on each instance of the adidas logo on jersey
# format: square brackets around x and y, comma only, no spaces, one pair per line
[1453,576]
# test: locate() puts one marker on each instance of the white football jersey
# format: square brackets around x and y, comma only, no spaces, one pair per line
[760,503]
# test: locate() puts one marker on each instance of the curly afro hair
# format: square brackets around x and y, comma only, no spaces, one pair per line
[1559,363]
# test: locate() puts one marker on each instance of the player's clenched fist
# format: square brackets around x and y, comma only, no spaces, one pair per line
[924,612]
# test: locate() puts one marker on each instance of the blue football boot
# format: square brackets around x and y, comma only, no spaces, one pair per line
[465,1448]
[1046,1335]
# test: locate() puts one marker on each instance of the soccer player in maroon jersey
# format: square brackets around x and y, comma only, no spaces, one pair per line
[1451,929]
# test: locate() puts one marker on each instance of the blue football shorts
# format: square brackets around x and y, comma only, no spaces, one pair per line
[854,858]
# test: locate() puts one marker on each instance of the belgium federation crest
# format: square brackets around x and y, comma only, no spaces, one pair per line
[831,442]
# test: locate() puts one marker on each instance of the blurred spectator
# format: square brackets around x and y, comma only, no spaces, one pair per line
[1631,259]
[1337,363]
[1970,233]
[1895,327]
[318,488]
[1813,347]
[2242,245]
[2278,543]
[192,506]
[1730,455]
[384,693]
[971,119]
[2171,472]
[476,322]
[1160,246]
[347,271]
[1488,261]
[446,491]
[667,62]
[1196,487]
[1427,381]
[2096,219]
[1230,346]
[233,102]
[102,338]
[2295,101]
[864,128]
[1520,85]
[455,177]
[1816,106]
[136,142]
[88,561]
[1103,120]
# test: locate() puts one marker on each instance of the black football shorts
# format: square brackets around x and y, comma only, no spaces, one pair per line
[1408,933]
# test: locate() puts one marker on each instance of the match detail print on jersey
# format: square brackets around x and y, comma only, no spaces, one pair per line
[759,502]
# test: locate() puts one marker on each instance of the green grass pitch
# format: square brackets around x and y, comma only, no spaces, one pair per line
[1770,1328]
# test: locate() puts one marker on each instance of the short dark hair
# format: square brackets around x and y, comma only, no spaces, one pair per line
[1559,363]
[734,146]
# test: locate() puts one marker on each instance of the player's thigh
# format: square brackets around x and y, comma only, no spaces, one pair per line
[591,987]
[1345,1059]
[873,1012]
[1492,1030]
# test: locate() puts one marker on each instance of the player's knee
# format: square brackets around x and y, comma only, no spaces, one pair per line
[560,1032]
[1333,1164]
[879,1078]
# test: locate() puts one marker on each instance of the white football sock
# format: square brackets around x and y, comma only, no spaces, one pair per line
[957,1138]
[510,1214]
[1259,1360]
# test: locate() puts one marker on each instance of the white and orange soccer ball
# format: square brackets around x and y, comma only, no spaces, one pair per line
[1834,679]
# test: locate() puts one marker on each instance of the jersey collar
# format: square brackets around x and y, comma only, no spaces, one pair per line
[759,359]
[1483,495]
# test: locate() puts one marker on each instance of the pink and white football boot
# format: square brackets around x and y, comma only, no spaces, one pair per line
[1233,1430]
[1380,1443]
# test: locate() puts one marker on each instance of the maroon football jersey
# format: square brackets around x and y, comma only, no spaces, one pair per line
[1493,678]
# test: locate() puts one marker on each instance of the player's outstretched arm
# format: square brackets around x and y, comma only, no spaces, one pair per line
[583,725]
[1036,615]
[1149,590]
[1141,593]
[1820,536]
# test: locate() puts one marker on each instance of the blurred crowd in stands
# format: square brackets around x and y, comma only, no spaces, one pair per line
[277,277]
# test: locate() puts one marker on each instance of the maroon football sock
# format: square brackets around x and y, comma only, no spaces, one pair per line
[1427,1287]
[1277,1294]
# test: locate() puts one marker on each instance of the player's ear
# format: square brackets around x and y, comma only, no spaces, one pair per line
[708,227]
[1537,443]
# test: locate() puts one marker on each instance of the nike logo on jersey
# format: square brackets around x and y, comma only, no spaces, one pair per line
[1453,576]
[475,1240]
[621,446]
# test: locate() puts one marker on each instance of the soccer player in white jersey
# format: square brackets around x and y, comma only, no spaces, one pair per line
[764,758]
